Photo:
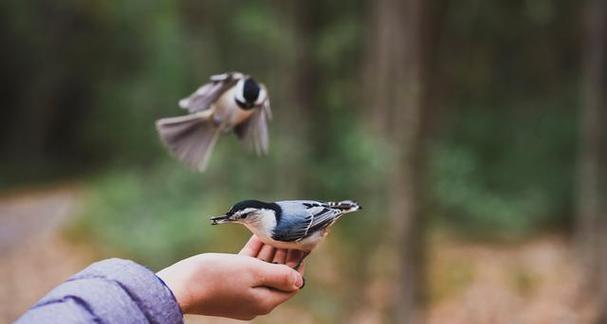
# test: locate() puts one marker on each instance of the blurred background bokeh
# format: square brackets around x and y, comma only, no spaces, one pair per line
[472,132]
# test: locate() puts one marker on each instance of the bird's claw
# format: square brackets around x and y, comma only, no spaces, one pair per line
[301,261]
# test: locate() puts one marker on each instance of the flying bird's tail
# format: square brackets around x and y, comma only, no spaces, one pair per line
[189,138]
[346,206]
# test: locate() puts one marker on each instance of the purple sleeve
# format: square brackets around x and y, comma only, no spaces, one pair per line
[109,291]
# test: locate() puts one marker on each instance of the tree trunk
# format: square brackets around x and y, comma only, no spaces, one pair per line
[311,80]
[396,74]
[591,232]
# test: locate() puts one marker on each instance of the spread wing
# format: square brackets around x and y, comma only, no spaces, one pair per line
[208,93]
[317,217]
[254,132]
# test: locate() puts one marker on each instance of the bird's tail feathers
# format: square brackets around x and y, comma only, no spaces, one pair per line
[346,206]
[189,138]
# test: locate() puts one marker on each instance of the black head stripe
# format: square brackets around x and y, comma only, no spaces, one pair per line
[250,90]
[257,205]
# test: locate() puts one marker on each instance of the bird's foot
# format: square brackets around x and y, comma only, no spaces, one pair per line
[301,261]
[296,267]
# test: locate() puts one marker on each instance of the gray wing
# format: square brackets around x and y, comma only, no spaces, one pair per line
[306,218]
[323,216]
[208,93]
[254,132]
[266,105]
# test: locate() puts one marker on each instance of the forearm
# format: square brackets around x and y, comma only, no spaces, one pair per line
[110,291]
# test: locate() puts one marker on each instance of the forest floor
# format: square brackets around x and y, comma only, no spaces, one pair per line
[535,281]
[34,255]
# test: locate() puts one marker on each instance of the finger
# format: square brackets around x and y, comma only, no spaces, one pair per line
[280,257]
[278,276]
[266,253]
[293,258]
[252,247]
[270,298]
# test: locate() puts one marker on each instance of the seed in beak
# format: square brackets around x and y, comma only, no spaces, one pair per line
[219,219]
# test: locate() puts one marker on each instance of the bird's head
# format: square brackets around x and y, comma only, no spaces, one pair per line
[249,93]
[249,212]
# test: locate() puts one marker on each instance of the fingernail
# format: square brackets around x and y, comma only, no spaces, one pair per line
[299,281]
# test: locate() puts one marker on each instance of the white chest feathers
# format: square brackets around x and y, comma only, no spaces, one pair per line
[262,224]
[228,111]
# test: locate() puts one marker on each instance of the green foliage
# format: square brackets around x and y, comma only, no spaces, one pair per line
[498,172]
[154,217]
[84,83]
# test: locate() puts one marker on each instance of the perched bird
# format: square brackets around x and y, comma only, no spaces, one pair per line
[229,102]
[290,224]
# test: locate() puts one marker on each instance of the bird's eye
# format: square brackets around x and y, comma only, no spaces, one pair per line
[243,216]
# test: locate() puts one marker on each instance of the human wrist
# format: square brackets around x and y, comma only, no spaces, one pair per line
[177,282]
[171,292]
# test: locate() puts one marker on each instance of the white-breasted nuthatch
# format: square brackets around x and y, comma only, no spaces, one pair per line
[230,101]
[290,224]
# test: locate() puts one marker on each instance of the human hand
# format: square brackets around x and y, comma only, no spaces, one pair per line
[235,286]
[257,249]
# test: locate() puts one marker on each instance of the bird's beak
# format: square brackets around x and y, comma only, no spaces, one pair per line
[220,220]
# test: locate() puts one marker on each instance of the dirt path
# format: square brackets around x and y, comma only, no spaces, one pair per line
[534,282]
[34,257]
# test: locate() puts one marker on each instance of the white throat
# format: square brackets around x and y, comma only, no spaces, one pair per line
[238,94]
[262,96]
[262,224]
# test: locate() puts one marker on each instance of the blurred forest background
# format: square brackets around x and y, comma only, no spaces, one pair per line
[471,131]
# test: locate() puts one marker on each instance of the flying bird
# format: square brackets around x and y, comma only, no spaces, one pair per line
[229,102]
[291,224]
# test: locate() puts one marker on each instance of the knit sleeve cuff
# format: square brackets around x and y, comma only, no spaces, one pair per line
[153,297]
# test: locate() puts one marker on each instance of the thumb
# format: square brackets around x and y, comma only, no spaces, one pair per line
[278,276]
